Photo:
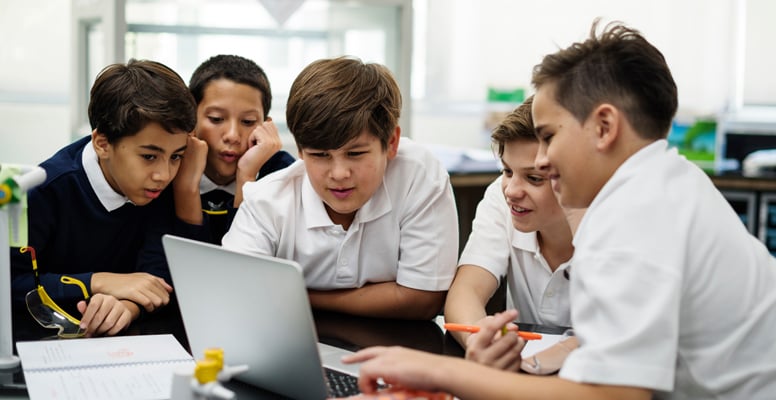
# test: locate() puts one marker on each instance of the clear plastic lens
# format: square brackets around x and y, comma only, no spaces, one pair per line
[49,317]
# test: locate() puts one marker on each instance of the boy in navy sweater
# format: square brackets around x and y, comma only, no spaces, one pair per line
[94,218]
[233,98]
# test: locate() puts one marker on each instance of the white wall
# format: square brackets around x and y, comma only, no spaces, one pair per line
[759,56]
[34,79]
[468,44]
[497,42]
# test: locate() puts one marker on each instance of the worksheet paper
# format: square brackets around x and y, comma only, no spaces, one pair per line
[534,346]
[122,367]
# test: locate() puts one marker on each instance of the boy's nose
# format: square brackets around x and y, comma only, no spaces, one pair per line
[163,174]
[340,170]
[232,134]
[513,189]
[542,163]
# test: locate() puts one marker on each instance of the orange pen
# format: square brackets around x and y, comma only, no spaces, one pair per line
[474,329]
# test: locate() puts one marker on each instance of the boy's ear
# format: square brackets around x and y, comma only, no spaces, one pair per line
[607,124]
[393,143]
[101,145]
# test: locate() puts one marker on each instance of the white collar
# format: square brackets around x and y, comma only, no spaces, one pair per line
[107,196]
[526,241]
[206,186]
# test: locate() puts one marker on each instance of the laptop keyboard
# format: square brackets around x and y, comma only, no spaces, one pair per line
[341,384]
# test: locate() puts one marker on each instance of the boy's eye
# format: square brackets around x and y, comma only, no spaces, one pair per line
[547,137]
[356,153]
[319,154]
[176,157]
[249,122]
[215,120]
[535,178]
[506,172]
[148,157]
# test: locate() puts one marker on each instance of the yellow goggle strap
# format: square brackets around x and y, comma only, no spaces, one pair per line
[72,281]
[44,297]
[47,301]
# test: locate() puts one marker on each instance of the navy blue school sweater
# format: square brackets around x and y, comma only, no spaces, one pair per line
[218,204]
[74,235]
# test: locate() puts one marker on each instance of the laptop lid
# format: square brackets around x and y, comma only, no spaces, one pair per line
[254,307]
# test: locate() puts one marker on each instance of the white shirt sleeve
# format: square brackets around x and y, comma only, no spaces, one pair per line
[428,221]
[488,245]
[253,229]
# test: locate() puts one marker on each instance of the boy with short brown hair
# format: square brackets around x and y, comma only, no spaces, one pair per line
[372,222]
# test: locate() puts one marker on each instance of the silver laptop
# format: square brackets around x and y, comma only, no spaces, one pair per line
[256,308]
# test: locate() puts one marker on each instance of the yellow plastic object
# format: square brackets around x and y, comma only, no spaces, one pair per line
[47,312]
[49,315]
[49,302]
[72,281]
[206,371]
[217,354]
[6,193]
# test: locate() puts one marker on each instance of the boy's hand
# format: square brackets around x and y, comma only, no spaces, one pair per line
[106,315]
[192,166]
[188,206]
[490,347]
[263,143]
[141,288]
[396,366]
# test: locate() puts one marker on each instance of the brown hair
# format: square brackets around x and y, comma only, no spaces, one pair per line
[619,67]
[518,125]
[333,101]
[126,98]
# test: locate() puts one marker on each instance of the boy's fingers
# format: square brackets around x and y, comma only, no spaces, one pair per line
[362,355]
[88,311]
[164,284]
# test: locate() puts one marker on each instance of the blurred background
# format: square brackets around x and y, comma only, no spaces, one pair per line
[460,63]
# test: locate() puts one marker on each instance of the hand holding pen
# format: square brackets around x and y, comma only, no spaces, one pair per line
[504,329]
[490,347]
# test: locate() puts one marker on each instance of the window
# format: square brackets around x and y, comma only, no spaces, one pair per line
[280,36]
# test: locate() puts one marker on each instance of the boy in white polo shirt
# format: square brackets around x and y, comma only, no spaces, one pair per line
[521,232]
[371,221]
[671,297]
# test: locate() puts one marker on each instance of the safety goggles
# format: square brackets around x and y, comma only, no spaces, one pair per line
[48,313]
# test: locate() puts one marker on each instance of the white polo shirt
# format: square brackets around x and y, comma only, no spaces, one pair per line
[540,295]
[670,291]
[407,232]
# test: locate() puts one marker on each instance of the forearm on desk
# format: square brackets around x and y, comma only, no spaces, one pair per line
[382,300]
[456,378]
[472,288]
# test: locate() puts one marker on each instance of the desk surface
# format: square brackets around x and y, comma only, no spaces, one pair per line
[341,330]
[346,331]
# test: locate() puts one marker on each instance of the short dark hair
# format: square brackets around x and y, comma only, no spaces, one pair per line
[127,97]
[619,67]
[518,125]
[332,101]
[236,69]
